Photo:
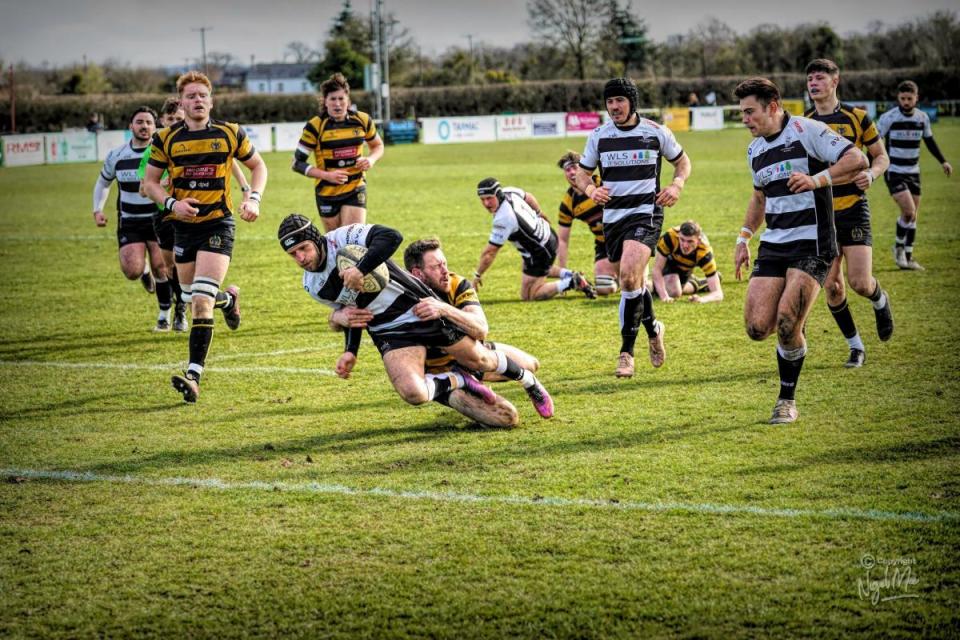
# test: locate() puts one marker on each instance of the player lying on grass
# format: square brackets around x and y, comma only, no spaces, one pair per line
[679,250]
[375,294]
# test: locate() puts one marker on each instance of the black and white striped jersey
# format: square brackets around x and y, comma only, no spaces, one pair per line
[392,307]
[121,165]
[902,134]
[798,224]
[516,222]
[629,161]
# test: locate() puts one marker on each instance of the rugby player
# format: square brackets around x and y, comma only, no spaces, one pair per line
[198,153]
[902,129]
[850,210]
[517,218]
[335,138]
[794,161]
[679,250]
[577,206]
[391,319]
[629,150]
[135,233]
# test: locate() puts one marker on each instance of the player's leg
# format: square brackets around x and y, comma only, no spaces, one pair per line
[837,303]
[760,307]
[501,413]
[605,277]
[912,264]
[521,357]
[636,307]
[537,288]
[476,357]
[404,367]
[799,293]
[352,214]
[671,283]
[133,260]
[859,262]
[162,283]
[906,222]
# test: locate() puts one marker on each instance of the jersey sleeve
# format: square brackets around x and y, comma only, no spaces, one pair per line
[370,131]
[504,225]
[664,245]
[109,170]
[756,185]
[158,157]
[670,148]
[870,133]
[883,125]
[825,143]
[927,130]
[565,214]
[465,295]
[707,261]
[245,148]
[590,156]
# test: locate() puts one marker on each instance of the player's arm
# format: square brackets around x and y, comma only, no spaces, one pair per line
[936,153]
[240,176]
[532,201]
[563,245]
[714,294]
[669,195]
[751,222]
[381,243]
[470,318]
[101,191]
[374,153]
[658,283]
[878,164]
[250,208]
[487,256]
[846,169]
[584,180]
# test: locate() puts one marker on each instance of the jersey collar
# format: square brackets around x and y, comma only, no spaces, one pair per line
[783,125]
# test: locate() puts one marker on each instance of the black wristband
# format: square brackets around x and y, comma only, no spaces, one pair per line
[169,202]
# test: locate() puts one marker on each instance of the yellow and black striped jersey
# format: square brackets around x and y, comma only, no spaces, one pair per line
[578,206]
[199,163]
[702,256]
[855,125]
[459,294]
[336,145]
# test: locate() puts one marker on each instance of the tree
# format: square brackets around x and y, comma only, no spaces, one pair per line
[765,49]
[340,56]
[300,52]
[84,80]
[624,38]
[574,23]
[811,41]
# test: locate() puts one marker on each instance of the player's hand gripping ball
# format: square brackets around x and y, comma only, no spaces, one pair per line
[349,255]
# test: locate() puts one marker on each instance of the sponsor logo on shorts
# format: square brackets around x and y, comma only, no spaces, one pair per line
[857,233]
[177,250]
[326,208]
[215,242]
[361,198]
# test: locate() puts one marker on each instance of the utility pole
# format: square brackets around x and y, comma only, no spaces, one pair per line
[203,46]
[13,104]
[469,38]
[385,31]
[375,23]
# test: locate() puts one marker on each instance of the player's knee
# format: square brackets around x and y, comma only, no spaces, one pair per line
[834,288]
[203,295]
[787,329]
[756,331]
[413,393]
[863,285]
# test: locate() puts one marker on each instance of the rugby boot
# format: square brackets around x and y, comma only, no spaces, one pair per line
[473,386]
[856,359]
[884,320]
[581,284]
[900,257]
[163,326]
[146,279]
[180,318]
[658,353]
[187,387]
[542,401]
[625,365]
[912,265]
[785,411]
[232,317]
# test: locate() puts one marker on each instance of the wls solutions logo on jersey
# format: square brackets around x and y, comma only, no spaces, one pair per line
[628,158]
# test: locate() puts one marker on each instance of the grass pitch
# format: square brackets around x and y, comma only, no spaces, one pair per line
[291,503]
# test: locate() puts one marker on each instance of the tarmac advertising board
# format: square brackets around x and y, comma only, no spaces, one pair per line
[460,129]
[549,125]
[80,146]
[677,118]
[261,135]
[705,118]
[287,135]
[109,140]
[581,123]
[22,150]
[515,127]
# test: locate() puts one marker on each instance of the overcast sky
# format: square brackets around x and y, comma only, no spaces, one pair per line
[159,32]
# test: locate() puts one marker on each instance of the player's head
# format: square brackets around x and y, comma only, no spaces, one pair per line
[335,93]
[303,242]
[425,260]
[907,95]
[569,163]
[760,109]
[490,194]
[621,98]
[689,236]
[823,76]
[196,95]
[171,112]
[143,122]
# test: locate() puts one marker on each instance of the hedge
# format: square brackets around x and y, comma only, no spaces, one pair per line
[48,113]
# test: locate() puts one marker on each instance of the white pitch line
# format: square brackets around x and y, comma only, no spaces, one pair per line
[161,367]
[839,513]
[262,354]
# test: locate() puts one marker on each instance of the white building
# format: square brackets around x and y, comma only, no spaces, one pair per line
[279,78]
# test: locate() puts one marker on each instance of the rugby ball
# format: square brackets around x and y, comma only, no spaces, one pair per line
[349,255]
